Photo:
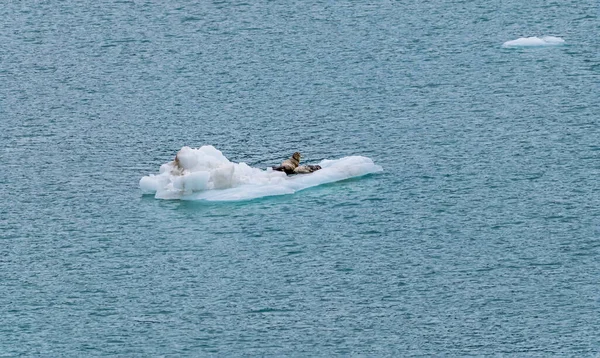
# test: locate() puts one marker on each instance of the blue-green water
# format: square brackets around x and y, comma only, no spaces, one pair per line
[481,236]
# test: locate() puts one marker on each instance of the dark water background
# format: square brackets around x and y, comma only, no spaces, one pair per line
[481,237]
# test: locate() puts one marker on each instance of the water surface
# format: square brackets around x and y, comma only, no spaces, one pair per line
[480,237]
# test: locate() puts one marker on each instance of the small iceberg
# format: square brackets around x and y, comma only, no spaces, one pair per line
[534,42]
[206,174]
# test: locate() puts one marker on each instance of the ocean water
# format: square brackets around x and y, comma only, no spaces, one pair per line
[481,236]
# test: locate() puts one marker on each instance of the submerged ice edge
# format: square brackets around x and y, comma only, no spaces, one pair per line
[248,192]
[205,174]
[534,42]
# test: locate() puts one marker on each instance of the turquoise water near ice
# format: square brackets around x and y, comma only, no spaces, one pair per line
[480,237]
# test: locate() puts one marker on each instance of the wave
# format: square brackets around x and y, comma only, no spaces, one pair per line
[206,174]
[534,41]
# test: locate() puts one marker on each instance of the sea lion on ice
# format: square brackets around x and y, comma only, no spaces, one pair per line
[177,167]
[292,166]
[289,165]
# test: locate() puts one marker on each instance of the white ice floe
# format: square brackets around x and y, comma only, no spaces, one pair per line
[206,174]
[534,41]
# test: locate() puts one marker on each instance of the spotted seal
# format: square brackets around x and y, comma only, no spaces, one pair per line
[306,169]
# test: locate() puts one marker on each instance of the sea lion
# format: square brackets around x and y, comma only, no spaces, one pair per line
[292,166]
[289,165]
[177,167]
